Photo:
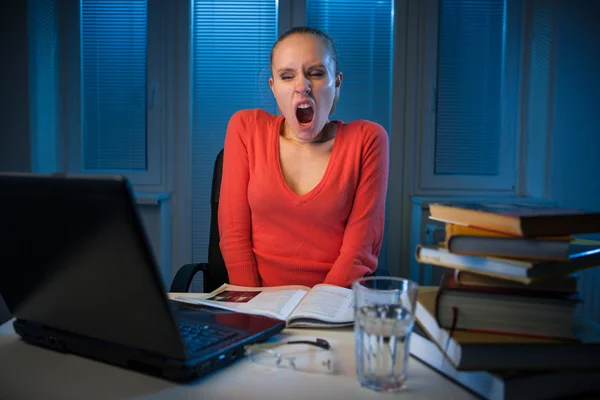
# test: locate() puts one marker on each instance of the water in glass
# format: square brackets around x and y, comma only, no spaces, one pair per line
[382,337]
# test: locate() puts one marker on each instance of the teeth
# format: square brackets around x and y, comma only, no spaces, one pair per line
[303,106]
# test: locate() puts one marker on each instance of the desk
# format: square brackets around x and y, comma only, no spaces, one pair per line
[30,372]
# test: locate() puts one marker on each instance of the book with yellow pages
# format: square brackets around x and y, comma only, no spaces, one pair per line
[517,219]
[525,271]
[492,352]
[300,306]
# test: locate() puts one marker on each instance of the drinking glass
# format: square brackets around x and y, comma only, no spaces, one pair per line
[384,319]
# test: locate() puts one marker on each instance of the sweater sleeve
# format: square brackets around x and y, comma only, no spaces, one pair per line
[234,210]
[364,230]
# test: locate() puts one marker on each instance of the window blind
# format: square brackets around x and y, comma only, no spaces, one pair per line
[541,67]
[231,44]
[469,88]
[363,35]
[113,71]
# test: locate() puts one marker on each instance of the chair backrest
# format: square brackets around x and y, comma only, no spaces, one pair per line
[216,273]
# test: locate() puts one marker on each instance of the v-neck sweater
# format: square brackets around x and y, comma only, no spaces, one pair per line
[271,236]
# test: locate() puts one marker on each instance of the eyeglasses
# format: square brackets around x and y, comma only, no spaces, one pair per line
[298,355]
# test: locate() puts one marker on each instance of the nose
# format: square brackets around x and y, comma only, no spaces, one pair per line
[302,85]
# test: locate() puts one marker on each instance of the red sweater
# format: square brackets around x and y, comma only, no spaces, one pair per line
[270,236]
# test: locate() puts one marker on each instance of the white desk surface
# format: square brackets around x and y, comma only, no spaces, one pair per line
[30,372]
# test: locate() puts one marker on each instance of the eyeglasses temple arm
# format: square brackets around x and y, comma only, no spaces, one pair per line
[322,343]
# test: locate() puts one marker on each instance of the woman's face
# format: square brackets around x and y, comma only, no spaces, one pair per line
[304,84]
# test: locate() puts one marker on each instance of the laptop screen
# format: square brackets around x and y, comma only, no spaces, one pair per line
[75,258]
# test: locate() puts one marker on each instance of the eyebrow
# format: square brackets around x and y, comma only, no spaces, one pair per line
[287,69]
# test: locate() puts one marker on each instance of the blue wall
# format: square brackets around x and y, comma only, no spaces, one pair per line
[575,161]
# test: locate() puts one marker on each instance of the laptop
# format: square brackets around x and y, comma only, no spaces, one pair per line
[78,275]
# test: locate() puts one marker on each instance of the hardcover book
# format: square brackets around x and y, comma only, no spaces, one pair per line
[505,385]
[517,219]
[471,351]
[525,271]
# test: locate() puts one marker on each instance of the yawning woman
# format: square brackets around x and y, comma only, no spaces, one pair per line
[302,196]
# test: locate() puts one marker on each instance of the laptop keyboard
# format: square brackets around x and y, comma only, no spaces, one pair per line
[199,337]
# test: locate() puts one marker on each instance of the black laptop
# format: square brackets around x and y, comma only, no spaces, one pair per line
[78,275]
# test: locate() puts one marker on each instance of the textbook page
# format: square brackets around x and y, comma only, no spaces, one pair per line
[324,305]
[276,302]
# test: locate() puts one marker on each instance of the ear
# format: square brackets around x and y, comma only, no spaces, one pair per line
[338,83]
[338,80]
[271,83]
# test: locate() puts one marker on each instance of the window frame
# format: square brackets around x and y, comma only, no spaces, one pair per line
[505,183]
[153,178]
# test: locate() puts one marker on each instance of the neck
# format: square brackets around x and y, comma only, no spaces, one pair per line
[326,134]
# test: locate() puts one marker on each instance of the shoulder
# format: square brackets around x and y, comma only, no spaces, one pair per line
[257,116]
[250,125]
[366,133]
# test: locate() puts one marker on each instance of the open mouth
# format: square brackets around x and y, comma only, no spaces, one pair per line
[305,114]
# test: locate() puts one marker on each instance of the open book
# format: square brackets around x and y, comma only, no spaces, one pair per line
[300,306]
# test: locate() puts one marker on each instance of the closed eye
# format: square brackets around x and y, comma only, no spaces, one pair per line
[317,74]
[286,77]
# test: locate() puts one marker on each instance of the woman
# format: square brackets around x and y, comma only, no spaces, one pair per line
[302,197]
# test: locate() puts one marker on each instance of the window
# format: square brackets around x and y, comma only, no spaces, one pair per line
[113,72]
[231,44]
[118,127]
[469,125]
[540,36]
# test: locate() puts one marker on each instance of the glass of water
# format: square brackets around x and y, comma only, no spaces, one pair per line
[384,319]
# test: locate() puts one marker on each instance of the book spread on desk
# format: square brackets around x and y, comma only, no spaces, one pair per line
[300,306]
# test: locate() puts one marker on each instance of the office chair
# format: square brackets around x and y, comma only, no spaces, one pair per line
[214,272]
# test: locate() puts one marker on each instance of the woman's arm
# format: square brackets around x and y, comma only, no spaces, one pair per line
[234,211]
[364,229]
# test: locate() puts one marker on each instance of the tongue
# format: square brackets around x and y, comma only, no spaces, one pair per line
[304,115]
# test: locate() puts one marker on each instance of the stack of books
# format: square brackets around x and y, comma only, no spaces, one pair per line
[506,306]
